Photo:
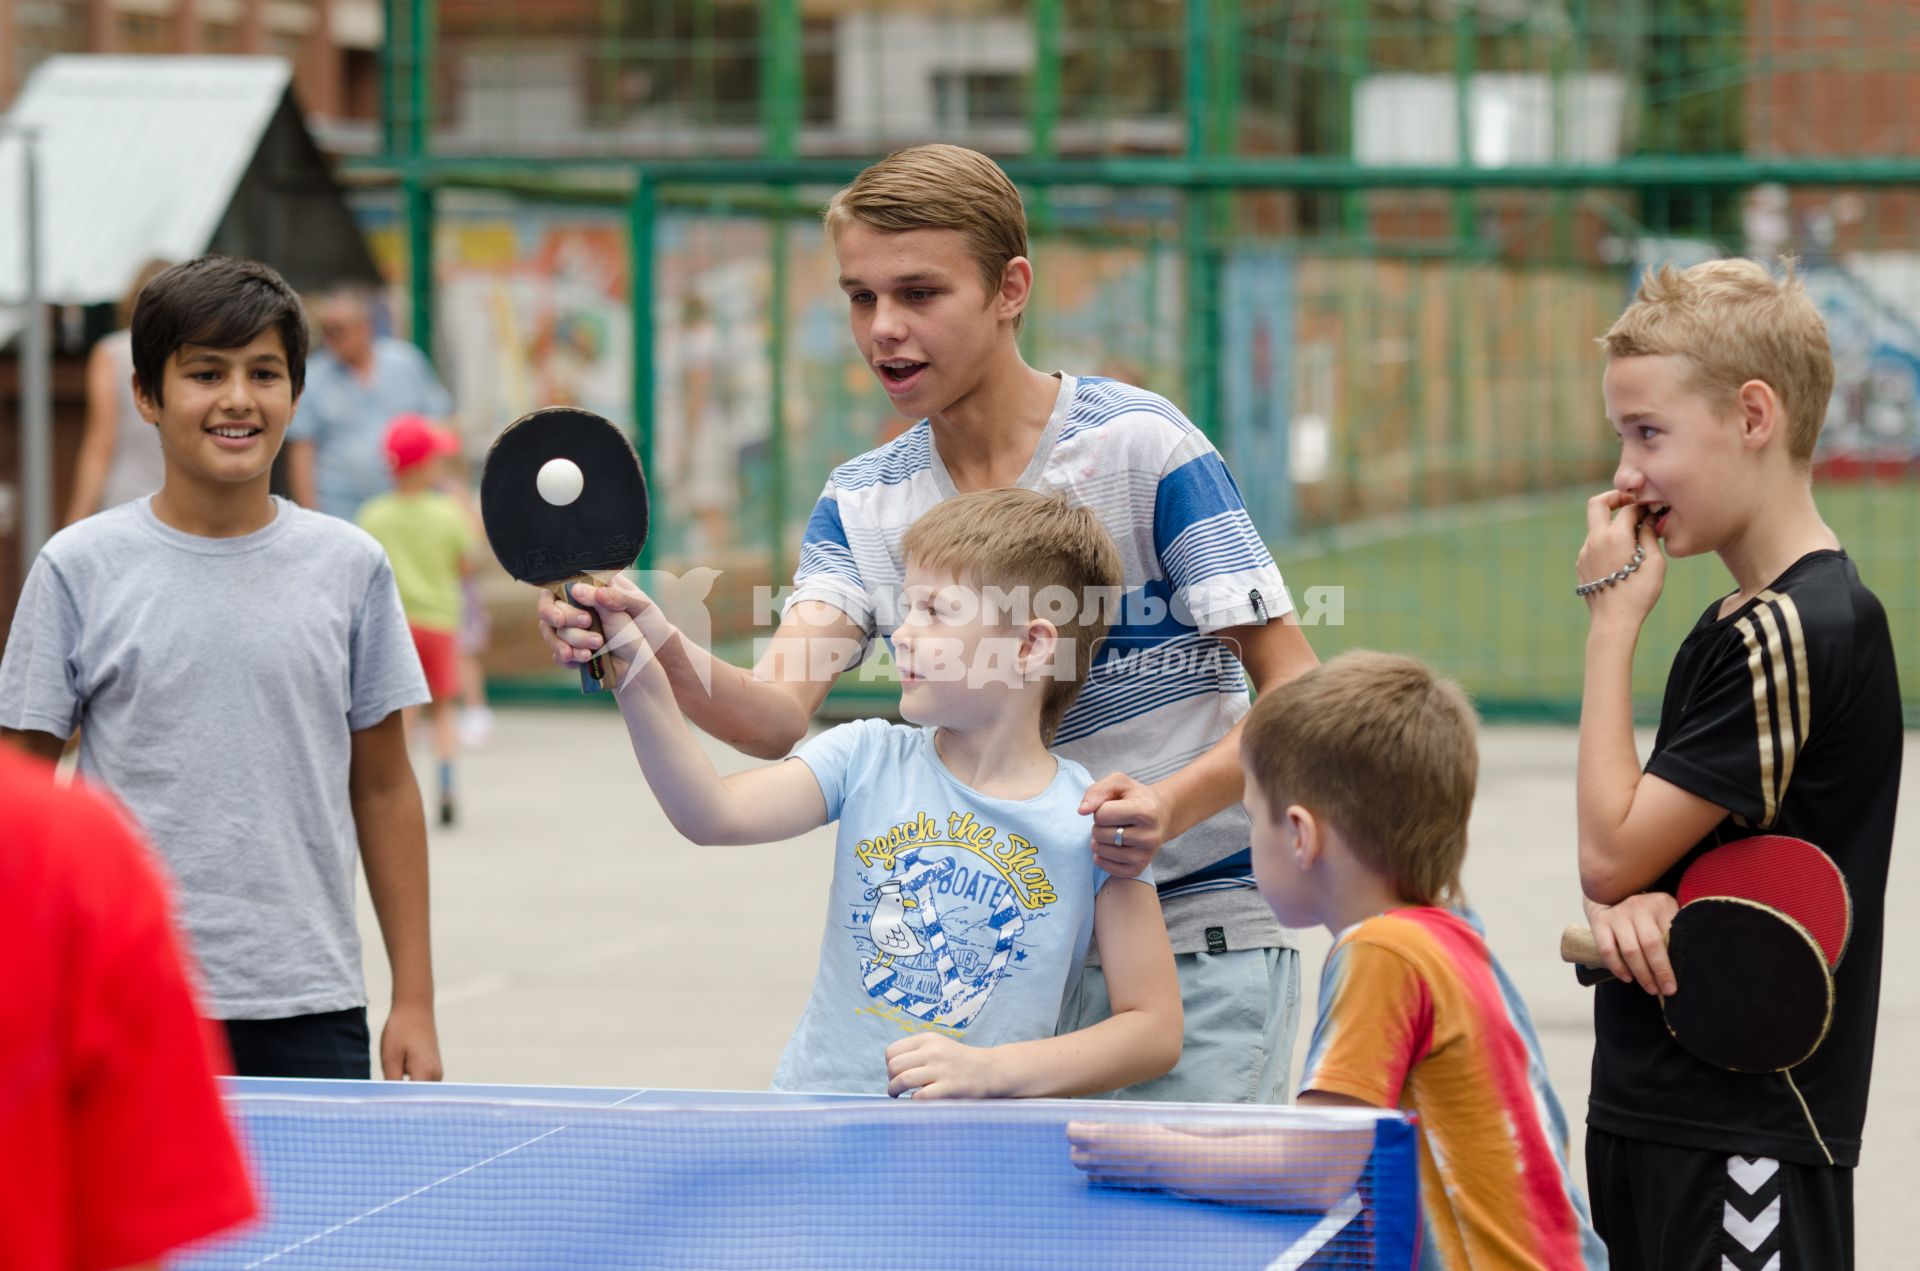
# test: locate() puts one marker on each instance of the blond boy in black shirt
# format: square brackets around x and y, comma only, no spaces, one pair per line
[1781,715]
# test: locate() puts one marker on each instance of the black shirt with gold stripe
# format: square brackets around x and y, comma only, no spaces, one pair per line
[1786,713]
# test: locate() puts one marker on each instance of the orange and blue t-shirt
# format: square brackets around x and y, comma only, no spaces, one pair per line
[1416,1014]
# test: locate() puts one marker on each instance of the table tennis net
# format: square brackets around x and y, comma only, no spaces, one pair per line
[396,1183]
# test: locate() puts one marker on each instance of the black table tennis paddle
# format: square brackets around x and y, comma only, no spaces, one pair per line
[564,500]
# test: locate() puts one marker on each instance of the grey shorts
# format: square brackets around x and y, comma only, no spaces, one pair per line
[1242,1013]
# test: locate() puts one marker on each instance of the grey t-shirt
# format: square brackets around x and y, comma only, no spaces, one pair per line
[216,684]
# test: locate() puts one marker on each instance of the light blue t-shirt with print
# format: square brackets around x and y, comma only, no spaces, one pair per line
[951,910]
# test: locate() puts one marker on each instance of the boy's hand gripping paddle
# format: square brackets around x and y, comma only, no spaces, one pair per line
[1762,924]
[1754,995]
[564,501]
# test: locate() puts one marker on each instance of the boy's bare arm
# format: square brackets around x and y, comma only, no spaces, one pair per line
[34,742]
[1281,1168]
[762,805]
[1272,653]
[1632,826]
[101,438]
[762,712]
[393,847]
[1138,1042]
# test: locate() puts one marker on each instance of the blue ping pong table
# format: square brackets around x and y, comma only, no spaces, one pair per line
[361,1175]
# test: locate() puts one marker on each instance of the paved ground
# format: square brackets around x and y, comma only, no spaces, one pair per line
[580,940]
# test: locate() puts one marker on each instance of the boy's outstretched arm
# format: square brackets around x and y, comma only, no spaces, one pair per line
[761,712]
[393,847]
[1633,826]
[761,805]
[1272,653]
[1265,1168]
[1138,1042]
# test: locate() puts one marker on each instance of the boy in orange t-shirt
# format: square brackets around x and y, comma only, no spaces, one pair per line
[1360,777]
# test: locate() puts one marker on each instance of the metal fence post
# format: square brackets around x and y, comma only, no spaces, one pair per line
[36,375]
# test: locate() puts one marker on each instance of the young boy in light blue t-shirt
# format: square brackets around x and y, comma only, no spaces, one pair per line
[963,895]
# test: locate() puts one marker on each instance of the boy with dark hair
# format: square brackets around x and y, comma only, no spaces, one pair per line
[932,251]
[1781,716]
[256,766]
[1360,779]
[963,897]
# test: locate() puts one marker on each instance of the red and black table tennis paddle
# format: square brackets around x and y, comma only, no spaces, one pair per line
[1790,874]
[564,500]
[1762,924]
[1754,991]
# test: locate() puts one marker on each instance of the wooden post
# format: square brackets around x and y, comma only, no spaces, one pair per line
[186,26]
[253,26]
[103,27]
[325,93]
[9,50]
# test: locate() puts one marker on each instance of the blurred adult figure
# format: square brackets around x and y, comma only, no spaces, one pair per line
[356,385]
[119,451]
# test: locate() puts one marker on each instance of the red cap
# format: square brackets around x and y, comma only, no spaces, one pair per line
[413,439]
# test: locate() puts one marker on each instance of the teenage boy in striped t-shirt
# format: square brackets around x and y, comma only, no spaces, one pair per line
[932,249]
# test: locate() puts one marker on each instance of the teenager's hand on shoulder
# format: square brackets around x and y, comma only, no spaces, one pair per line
[409,1045]
[1632,937]
[934,1066]
[1129,823]
[1614,531]
[564,628]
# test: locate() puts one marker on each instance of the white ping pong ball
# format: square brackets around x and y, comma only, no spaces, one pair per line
[560,481]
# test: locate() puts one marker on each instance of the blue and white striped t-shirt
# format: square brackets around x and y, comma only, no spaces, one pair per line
[1163,689]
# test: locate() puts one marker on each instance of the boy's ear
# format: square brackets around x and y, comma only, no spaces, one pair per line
[1760,414]
[1016,288]
[1309,836]
[1039,646]
[148,408]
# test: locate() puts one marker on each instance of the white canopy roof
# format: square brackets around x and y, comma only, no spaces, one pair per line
[137,157]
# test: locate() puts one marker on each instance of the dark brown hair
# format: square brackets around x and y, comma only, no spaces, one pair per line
[218,302]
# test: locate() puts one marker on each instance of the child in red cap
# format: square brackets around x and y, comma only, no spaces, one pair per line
[430,540]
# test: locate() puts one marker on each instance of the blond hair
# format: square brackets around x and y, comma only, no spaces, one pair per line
[940,187]
[1732,321]
[1025,543]
[1383,750]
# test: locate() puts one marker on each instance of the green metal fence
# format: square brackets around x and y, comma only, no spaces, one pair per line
[1366,245]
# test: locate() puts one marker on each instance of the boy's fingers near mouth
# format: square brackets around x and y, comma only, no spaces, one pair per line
[1600,509]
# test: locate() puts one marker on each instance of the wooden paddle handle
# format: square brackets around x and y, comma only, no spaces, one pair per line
[1578,946]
